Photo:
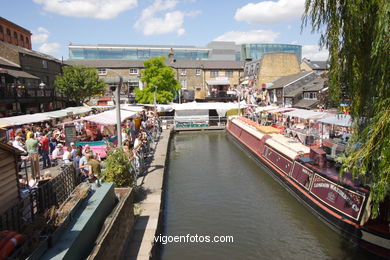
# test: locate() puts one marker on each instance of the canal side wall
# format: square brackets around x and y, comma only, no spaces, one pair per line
[116,229]
[149,223]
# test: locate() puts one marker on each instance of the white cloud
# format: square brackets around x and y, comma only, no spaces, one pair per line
[51,48]
[41,36]
[313,52]
[269,12]
[170,22]
[254,36]
[99,9]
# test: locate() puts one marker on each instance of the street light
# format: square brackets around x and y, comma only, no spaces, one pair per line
[155,102]
[117,91]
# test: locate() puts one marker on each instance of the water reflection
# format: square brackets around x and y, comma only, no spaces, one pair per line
[214,188]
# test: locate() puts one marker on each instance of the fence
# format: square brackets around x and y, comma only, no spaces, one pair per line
[210,121]
[36,201]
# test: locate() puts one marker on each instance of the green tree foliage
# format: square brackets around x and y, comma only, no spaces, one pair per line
[79,83]
[157,74]
[118,169]
[357,34]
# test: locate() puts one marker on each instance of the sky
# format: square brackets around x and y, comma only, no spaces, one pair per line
[57,23]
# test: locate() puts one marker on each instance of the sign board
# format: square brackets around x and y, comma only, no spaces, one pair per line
[344,200]
[70,134]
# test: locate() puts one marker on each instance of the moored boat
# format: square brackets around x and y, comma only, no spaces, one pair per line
[342,203]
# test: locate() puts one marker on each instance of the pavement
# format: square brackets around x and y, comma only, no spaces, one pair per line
[151,187]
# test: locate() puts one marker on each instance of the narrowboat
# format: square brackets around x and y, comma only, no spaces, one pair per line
[341,202]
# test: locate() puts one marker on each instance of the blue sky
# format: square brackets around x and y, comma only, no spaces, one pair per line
[56,23]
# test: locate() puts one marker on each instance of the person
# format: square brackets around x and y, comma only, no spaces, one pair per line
[30,133]
[73,150]
[83,165]
[45,150]
[66,157]
[57,153]
[94,168]
[32,149]
[76,162]
[18,144]
[131,126]
[124,135]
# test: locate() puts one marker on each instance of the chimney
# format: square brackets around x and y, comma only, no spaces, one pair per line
[170,56]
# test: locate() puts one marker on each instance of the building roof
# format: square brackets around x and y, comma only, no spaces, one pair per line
[9,148]
[185,64]
[15,25]
[107,63]
[209,64]
[18,73]
[306,103]
[30,52]
[317,65]
[5,62]
[286,80]
[315,85]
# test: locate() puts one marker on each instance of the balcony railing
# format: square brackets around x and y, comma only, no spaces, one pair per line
[19,93]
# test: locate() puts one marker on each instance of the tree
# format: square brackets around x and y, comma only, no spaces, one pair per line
[79,83]
[157,74]
[357,34]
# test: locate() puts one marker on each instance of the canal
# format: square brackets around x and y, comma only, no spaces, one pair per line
[215,189]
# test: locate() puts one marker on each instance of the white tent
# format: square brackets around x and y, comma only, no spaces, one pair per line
[339,120]
[109,117]
[221,108]
[306,114]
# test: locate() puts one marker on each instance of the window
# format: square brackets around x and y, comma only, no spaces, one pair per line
[21,38]
[310,95]
[133,85]
[229,74]
[183,83]
[44,64]
[133,71]
[8,32]
[183,72]
[198,72]
[213,73]
[27,41]
[1,29]
[102,71]
[16,35]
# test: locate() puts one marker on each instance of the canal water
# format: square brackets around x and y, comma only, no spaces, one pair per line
[215,189]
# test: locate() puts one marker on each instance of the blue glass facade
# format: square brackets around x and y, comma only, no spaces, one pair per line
[256,51]
[134,53]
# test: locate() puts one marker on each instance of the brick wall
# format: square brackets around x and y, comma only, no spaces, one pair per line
[276,65]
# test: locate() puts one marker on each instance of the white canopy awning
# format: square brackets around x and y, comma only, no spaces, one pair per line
[306,114]
[339,120]
[266,108]
[245,82]
[218,82]
[109,117]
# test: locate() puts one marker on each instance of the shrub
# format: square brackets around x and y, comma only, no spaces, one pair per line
[118,169]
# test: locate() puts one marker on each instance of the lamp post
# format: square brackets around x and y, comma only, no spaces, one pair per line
[154,100]
[118,107]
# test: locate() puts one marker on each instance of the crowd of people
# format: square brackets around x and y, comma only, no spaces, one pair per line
[45,143]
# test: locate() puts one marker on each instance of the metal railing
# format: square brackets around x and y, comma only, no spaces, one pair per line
[168,121]
[37,201]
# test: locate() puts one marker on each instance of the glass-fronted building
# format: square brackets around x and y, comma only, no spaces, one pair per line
[132,52]
[256,51]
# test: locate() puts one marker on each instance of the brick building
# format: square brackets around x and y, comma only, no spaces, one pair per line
[27,81]
[196,77]
[14,34]
[269,68]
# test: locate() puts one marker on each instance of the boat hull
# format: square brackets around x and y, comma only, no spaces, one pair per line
[343,225]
